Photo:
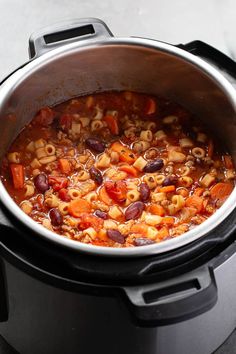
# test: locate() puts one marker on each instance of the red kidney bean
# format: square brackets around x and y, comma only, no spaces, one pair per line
[144,192]
[168,181]
[96,175]
[41,183]
[134,211]
[56,217]
[101,214]
[143,242]
[95,144]
[154,166]
[116,236]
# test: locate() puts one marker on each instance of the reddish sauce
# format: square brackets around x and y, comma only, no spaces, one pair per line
[117,169]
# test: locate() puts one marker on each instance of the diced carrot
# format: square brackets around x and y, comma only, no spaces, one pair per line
[221,190]
[129,169]
[210,148]
[198,191]
[18,176]
[167,189]
[228,162]
[78,206]
[103,195]
[102,235]
[194,201]
[125,154]
[112,124]
[205,202]
[163,233]
[64,165]
[168,220]
[156,209]
[139,229]
[150,106]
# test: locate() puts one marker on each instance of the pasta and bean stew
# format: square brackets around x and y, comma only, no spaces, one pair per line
[117,169]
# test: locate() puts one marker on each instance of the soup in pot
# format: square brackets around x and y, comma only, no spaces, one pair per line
[118,169]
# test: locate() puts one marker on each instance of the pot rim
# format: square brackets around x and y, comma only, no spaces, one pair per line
[164,246]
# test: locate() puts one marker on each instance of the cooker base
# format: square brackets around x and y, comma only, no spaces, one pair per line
[5,347]
[51,320]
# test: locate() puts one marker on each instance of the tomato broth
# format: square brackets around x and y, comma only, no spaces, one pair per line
[118,169]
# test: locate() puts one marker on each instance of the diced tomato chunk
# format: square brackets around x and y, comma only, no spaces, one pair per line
[116,190]
[195,201]
[87,220]
[63,195]
[65,121]
[45,117]
[57,183]
[105,198]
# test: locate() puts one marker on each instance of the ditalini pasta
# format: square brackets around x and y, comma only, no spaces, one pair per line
[118,169]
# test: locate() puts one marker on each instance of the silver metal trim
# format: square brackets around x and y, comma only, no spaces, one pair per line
[161,247]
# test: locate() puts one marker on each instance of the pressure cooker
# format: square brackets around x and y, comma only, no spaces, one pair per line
[61,296]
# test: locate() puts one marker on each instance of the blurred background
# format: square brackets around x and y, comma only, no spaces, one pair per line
[176,21]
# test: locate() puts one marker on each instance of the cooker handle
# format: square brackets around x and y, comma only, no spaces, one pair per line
[173,300]
[211,54]
[55,36]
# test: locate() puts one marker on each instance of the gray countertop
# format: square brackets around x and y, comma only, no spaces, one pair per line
[176,21]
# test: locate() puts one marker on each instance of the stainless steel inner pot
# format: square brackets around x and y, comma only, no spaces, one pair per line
[103,63]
